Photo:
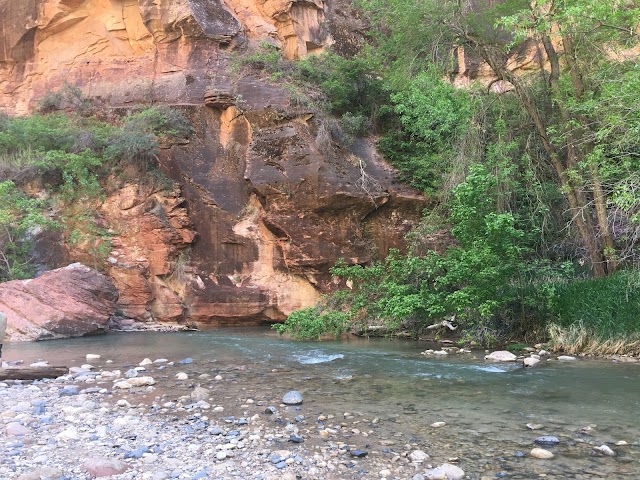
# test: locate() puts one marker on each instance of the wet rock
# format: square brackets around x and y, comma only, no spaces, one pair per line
[501,356]
[566,358]
[604,450]
[104,467]
[359,453]
[530,362]
[534,426]
[446,471]
[438,424]
[541,453]
[292,398]
[546,440]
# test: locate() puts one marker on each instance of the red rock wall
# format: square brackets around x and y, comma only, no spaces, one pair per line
[261,213]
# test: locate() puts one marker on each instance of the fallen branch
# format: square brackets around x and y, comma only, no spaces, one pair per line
[32,373]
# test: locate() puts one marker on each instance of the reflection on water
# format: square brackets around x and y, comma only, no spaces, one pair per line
[485,405]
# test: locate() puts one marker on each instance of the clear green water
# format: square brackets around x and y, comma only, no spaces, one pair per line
[486,406]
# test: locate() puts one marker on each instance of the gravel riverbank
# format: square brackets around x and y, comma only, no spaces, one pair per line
[153,421]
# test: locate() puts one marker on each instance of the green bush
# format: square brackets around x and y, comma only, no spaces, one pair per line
[312,323]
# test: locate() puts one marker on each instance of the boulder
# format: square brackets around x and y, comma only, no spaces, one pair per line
[501,356]
[530,362]
[68,302]
[292,398]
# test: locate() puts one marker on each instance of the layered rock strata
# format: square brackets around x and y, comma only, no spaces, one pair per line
[266,202]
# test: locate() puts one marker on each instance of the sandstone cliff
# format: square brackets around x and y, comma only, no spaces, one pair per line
[260,212]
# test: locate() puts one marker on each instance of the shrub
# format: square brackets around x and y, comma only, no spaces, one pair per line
[312,323]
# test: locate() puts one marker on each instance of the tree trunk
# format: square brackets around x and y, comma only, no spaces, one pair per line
[32,373]
[577,203]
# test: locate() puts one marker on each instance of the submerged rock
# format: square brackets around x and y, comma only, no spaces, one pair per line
[542,454]
[292,398]
[605,450]
[546,440]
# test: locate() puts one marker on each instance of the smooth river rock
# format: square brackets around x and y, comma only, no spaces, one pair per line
[541,453]
[530,362]
[104,467]
[501,356]
[446,471]
[547,440]
[293,397]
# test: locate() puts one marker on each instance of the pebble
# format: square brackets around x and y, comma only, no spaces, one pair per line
[547,440]
[182,376]
[438,424]
[541,453]
[92,356]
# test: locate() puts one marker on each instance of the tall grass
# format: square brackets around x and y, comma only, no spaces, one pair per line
[598,316]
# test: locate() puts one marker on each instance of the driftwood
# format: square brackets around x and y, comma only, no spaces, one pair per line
[32,373]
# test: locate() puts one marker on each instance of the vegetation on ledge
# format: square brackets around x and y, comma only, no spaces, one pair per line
[56,168]
[536,174]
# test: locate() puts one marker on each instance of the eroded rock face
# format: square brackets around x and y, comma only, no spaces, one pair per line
[273,206]
[67,302]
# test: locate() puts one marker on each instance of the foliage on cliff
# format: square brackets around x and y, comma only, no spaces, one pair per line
[537,179]
[68,159]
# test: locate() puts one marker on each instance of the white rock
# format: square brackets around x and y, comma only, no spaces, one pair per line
[541,453]
[530,362]
[566,358]
[446,471]
[218,377]
[441,352]
[605,450]
[86,366]
[418,456]
[68,435]
[39,364]
[438,424]
[543,353]
[199,393]
[122,385]
[141,381]
[160,360]
[92,356]
[385,472]
[621,443]
[221,455]
[146,361]
[182,376]
[501,356]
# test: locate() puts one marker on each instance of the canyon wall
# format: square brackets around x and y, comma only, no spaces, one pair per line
[260,209]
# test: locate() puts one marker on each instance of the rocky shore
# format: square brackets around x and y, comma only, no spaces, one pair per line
[153,421]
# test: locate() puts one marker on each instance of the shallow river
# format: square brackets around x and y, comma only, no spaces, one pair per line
[485,405]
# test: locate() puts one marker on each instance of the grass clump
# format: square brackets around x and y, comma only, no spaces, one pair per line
[314,322]
[598,316]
